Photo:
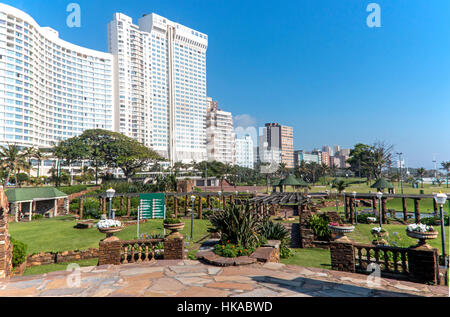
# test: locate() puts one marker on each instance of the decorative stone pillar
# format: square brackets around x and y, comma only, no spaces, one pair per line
[15,211]
[109,251]
[5,240]
[66,205]
[55,210]
[423,265]
[342,256]
[174,247]
[374,205]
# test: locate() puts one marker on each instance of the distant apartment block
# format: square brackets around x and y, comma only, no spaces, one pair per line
[221,139]
[244,152]
[161,85]
[302,156]
[279,139]
[50,89]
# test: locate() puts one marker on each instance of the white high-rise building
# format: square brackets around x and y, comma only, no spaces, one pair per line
[161,84]
[220,135]
[50,89]
[244,152]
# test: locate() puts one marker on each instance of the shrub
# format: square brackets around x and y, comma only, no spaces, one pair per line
[433,221]
[237,225]
[285,252]
[319,225]
[69,190]
[230,250]
[171,221]
[275,231]
[19,255]
[37,216]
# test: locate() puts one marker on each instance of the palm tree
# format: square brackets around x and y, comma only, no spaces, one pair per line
[38,155]
[339,184]
[446,167]
[14,160]
[421,172]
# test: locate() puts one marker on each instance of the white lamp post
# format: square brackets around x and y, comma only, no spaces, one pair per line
[192,216]
[110,194]
[379,196]
[356,212]
[440,199]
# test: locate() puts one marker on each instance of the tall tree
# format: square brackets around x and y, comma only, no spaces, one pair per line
[14,160]
[446,167]
[421,173]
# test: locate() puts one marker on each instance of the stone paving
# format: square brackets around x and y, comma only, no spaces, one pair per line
[186,278]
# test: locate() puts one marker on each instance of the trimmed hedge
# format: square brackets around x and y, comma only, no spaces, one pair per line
[19,252]
[69,190]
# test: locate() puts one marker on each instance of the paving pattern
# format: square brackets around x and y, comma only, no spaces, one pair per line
[194,279]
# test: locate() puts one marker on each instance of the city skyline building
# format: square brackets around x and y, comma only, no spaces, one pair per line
[161,85]
[50,89]
[220,135]
[279,138]
[244,152]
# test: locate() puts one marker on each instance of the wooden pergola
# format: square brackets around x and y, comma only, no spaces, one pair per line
[226,198]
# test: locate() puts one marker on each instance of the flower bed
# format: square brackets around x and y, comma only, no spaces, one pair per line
[108,223]
[230,250]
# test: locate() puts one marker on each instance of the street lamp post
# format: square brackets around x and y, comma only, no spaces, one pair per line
[110,194]
[440,200]
[192,216]
[379,196]
[356,211]
[220,194]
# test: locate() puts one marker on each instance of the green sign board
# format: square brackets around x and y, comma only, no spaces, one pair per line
[152,206]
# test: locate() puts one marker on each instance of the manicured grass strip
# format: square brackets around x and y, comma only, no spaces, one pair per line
[58,234]
[42,269]
[319,258]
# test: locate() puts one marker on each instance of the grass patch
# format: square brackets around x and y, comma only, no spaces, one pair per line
[319,258]
[58,234]
[42,269]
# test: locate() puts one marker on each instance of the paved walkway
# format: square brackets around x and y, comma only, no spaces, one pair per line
[194,279]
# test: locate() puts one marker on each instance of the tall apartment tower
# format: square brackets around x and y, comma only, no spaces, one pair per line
[244,152]
[280,138]
[50,89]
[221,139]
[160,85]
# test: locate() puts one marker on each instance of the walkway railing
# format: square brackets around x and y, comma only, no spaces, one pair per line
[391,261]
[136,251]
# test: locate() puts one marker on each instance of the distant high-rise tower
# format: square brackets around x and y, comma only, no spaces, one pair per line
[220,136]
[279,139]
[161,84]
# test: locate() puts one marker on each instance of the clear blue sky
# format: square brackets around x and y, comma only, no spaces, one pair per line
[310,64]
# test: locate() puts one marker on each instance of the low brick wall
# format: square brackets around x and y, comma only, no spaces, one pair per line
[61,257]
[422,264]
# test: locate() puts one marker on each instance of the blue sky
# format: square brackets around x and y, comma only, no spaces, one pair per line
[311,64]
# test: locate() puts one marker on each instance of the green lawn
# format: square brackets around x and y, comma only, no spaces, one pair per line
[319,258]
[42,269]
[59,234]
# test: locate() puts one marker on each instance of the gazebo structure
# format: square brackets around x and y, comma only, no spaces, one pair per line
[291,181]
[35,200]
[381,184]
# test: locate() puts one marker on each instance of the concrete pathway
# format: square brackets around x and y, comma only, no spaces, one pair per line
[194,279]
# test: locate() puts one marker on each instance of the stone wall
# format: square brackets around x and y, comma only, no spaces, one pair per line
[109,251]
[342,256]
[423,265]
[174,247]
[61,257]
[5,241]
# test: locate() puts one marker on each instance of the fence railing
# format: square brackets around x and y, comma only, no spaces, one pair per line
[136,251]
[391,261]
